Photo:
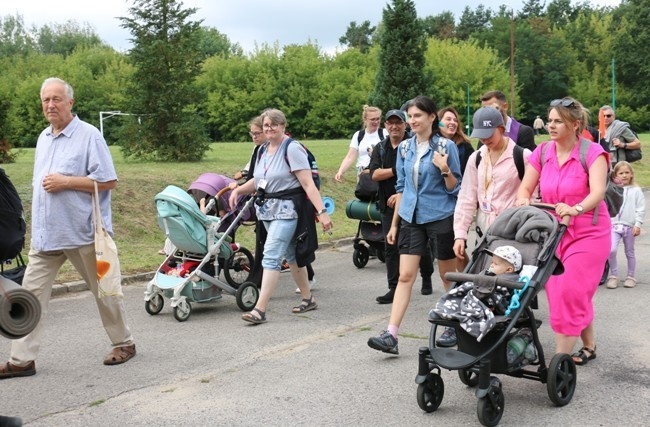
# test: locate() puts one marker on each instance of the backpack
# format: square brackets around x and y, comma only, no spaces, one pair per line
[613,192]
[518,157]
[362,133]
[310,158]
[12,220]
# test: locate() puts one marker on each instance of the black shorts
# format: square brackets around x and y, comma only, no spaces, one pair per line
[414,238]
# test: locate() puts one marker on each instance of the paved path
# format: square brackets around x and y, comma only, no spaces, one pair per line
[312,369]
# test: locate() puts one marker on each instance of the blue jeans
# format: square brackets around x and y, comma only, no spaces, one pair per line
[280,243]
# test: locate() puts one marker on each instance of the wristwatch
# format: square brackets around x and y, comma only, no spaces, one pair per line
[444,174]
[320,212]
[580,209]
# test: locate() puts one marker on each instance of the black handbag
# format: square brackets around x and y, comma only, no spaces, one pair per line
[366,188]
[17,273]
[633,155]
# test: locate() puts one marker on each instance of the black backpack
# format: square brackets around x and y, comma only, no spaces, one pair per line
[12,220]
[517,156]
[362,133]
[310,157]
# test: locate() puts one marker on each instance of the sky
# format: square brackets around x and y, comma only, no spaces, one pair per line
[247,22]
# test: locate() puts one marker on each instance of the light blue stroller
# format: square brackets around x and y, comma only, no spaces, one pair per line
[202,247]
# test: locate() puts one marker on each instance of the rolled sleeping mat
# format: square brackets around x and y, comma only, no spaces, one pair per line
[365,211]
[20,310]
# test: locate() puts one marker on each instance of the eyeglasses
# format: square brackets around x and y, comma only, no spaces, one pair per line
[389,124]
[255,134]
[269,126]
[608,115]
[565,102]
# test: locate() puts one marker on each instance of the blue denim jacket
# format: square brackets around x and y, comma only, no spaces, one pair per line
[432,201]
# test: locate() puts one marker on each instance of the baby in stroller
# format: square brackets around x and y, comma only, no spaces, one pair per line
[475,305]
[202,246]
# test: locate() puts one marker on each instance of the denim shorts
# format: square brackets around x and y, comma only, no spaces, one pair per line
[414,238]
[280,243]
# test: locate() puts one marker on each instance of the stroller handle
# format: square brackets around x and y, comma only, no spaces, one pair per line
[551,207]
[483,278]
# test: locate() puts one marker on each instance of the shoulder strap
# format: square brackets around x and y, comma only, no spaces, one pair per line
[381,134]
[360,136]
[518,157]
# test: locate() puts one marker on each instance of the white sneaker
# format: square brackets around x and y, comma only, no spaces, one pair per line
[312,282]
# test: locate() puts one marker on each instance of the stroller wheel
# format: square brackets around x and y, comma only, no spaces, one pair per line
[247,295]
[562,379]
[381,256]
[490,408]
[431,392]
[237,269]
[468,377]
[361,256]
[154,305]
[183,310]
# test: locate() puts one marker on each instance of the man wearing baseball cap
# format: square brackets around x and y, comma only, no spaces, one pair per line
[521,134]
[382,169]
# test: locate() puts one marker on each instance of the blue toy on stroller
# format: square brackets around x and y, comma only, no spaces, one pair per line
[202,248]
[536,234]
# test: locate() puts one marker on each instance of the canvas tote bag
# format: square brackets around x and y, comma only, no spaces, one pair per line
[109,277]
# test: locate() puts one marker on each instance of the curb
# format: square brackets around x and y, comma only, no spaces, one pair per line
[59,289]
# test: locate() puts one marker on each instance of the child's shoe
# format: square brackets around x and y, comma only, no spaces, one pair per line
[612,282]
[630,282]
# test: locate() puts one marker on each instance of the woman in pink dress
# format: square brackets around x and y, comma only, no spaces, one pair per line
[565,183]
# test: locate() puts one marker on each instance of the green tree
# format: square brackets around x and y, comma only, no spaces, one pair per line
[401,57]
[473,22]
[532,9]
[441,26]
[167,59]
[358,36]
[215,43]
[14,38]
[63,39]
[631,50]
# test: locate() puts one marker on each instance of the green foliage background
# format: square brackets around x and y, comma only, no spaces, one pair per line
[560,49]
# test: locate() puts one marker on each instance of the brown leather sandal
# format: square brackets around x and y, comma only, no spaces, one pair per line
[9,370]
[120,355]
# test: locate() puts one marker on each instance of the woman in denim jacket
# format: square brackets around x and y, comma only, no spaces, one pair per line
[428,181]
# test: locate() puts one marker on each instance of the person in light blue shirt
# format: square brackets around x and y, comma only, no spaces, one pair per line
[428,181]
[71,155]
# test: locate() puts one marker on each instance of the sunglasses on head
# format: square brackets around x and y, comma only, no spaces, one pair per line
[565,102]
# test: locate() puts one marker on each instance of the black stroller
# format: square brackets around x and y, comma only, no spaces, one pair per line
[369,239]
[536,234]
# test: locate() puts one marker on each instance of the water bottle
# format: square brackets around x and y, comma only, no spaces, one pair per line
[530,353]
[515,349]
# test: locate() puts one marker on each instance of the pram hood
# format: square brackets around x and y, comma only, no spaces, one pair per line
[182,220]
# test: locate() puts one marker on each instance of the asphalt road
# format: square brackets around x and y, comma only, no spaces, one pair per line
[311,369]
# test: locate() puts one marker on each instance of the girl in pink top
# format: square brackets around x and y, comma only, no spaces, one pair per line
[564,183]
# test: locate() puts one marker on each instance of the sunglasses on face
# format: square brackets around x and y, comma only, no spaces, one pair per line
[608,115]
[565,102]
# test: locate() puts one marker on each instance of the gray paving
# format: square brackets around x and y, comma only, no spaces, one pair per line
[312,369]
